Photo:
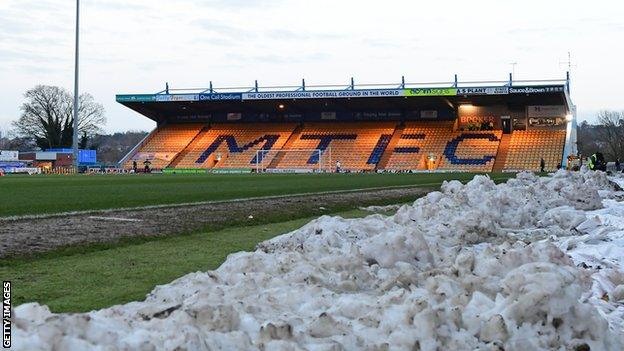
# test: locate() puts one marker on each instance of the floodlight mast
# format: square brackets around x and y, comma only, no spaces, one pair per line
[76,97]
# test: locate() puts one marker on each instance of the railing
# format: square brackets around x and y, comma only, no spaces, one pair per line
[352,86]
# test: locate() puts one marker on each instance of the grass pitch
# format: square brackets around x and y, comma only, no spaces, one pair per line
[78,279]
[23,195]
[96,279]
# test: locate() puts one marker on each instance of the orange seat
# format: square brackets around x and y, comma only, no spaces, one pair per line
[528,147]
[165,144]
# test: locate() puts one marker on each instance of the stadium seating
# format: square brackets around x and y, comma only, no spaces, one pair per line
[163,146]
[418,140]
[471,151]
[233,145]
[454,151]
[358,146]
[527,147]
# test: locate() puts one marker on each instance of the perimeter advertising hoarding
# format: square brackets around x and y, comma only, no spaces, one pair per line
[178,97]
[220,96]
[199,97]
[430,92]
[483,91]
[536,89]
[136,98]
[341,94]
[546,111]
[328,94]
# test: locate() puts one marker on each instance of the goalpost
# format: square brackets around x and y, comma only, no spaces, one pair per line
[293,161]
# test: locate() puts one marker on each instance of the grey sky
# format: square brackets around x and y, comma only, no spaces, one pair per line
[135,46]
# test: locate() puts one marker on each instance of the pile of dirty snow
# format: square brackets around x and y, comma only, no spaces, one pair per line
[535,263]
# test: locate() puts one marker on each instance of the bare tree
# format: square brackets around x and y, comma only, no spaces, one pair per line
[47,117]
[611,134]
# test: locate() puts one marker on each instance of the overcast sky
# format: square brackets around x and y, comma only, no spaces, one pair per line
[136,46]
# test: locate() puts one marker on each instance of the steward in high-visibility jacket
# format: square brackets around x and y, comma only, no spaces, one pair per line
[591,163]
[597,162]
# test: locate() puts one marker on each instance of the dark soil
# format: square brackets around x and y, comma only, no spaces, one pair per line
[35,235]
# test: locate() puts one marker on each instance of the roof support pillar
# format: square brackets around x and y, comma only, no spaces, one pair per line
[568,81]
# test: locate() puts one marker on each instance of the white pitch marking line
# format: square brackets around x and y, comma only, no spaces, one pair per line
[115,219]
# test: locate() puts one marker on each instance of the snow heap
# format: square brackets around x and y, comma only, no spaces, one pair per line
[475,266]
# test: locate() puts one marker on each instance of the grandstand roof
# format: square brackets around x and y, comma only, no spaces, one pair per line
[298,99]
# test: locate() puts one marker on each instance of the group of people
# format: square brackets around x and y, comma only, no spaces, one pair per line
[595,162]
[485,125]
[146,166]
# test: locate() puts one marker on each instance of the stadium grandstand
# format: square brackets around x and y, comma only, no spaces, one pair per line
[477,126]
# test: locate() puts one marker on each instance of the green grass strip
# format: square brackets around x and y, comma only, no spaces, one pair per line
[33,195]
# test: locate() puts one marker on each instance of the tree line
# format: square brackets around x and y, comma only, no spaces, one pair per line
[48,118]
[606,136]
[47,122]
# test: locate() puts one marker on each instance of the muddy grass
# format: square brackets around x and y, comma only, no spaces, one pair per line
[22,237]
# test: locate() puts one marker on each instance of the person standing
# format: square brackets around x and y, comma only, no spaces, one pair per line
[542,165]
[617,164]
[601,163]
[338,166]
[147,164]
[591,162]
[134,166]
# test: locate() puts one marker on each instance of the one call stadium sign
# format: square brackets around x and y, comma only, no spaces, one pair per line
[342,94]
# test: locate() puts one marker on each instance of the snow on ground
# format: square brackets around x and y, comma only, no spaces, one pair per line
[532,264]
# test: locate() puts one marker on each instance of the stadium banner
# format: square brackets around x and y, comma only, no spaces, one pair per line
[476,119]
[483,91]
[546,111]
[136,98]
[178,97]
[230,170]
[221,96]
[546,122]
[19,170]
[192,118]
[430,92]
[429,114]
[289,170]
[328,115]
[328,94]
[376,115]
[184,171]
[537,89]
[342,94]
